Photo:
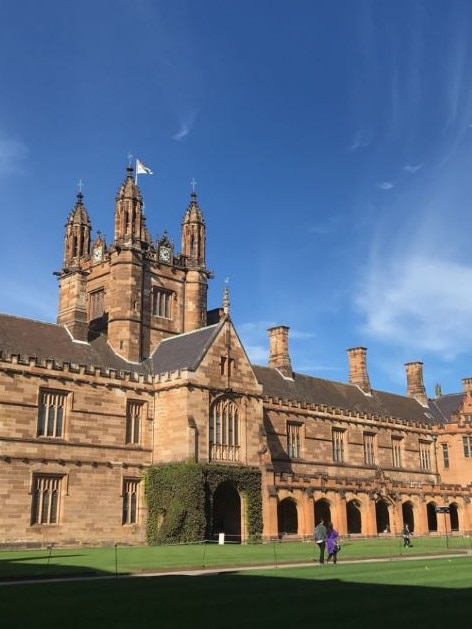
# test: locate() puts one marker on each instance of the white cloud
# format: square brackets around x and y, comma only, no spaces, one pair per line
[12,153]
[182,132]
[385,185]
[412,168]
[362,138]
[186,125]
[324,227]
[419,302]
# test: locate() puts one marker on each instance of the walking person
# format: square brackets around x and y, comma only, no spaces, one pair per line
[320,539]
[406,536]
[332,542]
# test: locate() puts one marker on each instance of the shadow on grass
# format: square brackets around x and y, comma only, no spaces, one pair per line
[314,598]
[45,567]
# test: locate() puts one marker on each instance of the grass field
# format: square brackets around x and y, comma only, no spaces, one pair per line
[433,593]
[131,559]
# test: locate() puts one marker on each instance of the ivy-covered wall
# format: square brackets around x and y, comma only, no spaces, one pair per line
[180,500]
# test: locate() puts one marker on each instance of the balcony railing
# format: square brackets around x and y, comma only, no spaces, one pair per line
[219,452]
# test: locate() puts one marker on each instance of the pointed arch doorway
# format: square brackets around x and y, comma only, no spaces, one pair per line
[227,512]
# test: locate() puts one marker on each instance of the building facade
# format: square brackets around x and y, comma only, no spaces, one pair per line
[137,372]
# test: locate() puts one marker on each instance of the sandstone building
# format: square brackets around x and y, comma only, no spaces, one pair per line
[137,372]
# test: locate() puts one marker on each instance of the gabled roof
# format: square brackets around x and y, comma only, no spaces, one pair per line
[311,390]
[184,351]
[445,406]
[27,337]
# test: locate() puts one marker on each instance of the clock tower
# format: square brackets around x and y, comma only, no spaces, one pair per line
[134,291]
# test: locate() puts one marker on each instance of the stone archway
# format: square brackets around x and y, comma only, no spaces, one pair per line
[454,516]
[432,517]
[287,517]
[408,516]
[322,511]
[382,516]
[227,512]
[354,517]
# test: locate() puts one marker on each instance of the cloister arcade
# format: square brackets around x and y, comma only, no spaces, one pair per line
[352,518]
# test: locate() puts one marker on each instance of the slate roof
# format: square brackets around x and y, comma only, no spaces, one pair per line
[340,395]
[50,340]
[443,407]
[27,337]
[184,351]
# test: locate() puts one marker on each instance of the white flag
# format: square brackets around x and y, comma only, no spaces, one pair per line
[141,169]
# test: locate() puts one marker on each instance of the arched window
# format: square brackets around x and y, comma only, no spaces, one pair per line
[224,431]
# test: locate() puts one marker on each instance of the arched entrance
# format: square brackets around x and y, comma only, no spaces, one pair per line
[287,517]
[382,516]
[454,516]
[354,518]
[432,517]
[322,511]
[227,512]
[408,515]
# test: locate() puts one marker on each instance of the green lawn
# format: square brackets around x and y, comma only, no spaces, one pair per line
[131,559]
[432,593]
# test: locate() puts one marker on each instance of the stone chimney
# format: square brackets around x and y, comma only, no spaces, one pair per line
[467,384]
[414,382]
[279,358]
[358,375]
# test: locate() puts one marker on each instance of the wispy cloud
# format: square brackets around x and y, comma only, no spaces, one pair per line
[327,226]
[186,125]
[419,302]
[412,291]
[412,168]
[385,185]
[362,138]
[12,154]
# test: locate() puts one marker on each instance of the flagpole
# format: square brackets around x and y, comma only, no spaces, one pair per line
[136,174]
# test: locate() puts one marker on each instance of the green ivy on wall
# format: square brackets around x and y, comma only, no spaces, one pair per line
[180,500]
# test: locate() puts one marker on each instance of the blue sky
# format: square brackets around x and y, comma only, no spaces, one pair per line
[332,145]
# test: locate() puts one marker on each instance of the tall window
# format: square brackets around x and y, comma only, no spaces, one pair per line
[396,452]
[369,449]
[445,453]
[293,440]
[338,445]
[224,431]
[425,455]
[226,366]
[134,416]
[45,499]
[130,501]
[467,443]
[51,412]
[96,304]
[162,302]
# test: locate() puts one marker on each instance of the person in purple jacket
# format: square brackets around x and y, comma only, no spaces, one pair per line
[332,545]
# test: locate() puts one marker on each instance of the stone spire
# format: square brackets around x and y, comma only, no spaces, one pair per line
[193,234]
[77,235]
[129,221]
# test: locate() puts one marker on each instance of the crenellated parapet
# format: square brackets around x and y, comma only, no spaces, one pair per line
[332,412]
[50,367]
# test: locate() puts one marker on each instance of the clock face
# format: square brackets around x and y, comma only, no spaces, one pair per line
[164,254]
[97,254]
